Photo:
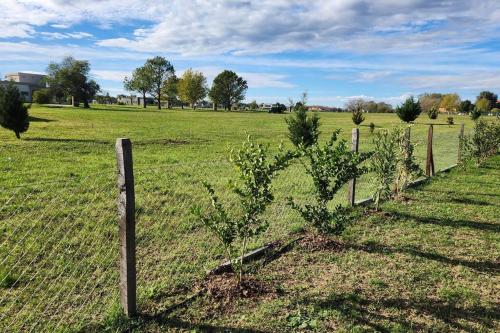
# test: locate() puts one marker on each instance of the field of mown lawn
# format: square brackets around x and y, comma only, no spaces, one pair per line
[429,263]
[58,204]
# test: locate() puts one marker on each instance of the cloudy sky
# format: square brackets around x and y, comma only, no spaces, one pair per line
[336,49]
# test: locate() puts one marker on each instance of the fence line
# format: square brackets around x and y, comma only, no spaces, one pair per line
[62,260]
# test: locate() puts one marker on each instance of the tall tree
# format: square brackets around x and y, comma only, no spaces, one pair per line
[465,106]
[13,112]
[192,87]
[171,90]
[71,78]
[160,70]
[483,105]
[450,102]
[491,97]
[227,89]
[429,101]
[141,81]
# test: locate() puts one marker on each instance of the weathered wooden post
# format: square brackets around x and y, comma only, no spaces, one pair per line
[126,218]
[429,164]
[460,143]
[351,195]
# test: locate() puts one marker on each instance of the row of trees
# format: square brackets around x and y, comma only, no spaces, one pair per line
[157,78]
[485,102]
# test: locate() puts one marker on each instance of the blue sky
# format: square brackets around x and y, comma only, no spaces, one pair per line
[336,50]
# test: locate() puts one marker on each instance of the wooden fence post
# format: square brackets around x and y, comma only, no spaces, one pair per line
[126,218]
[351,195]
[460,143]
[429,165]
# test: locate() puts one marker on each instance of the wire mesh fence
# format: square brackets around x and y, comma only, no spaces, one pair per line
[59,251]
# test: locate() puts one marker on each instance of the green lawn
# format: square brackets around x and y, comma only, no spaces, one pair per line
[59,247]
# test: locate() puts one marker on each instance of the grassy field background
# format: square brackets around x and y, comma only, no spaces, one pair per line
[59,248]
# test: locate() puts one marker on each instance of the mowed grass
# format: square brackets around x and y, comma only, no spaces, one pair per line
[59,245]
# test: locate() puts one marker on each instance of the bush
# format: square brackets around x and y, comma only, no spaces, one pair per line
[356,107]
[450,120]
[483,143]
[409,110]
[303,130]
[384,164]
[256,172]
[330,167]
[358,117]
[42,96]
[372,127]
[408,170]
[277,108]
[433,112]
[13,112]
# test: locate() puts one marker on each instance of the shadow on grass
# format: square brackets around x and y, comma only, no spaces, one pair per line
[377,313]
[480,266]
[41,120]
[484,226]
[101,142]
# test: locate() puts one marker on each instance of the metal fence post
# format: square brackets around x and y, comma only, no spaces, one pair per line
[351,195]
[126,219]
[429,164]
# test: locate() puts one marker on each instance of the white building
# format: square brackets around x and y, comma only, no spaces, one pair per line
[26,83]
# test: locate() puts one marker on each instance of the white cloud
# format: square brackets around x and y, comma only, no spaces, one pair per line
[117,76]
[70,35]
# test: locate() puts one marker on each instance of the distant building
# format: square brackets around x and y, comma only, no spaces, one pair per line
[26,83]
[133,100]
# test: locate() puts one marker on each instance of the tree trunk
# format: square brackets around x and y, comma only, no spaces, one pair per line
[144,99]
[17,135]
[159,99]
[182,105]
[86,104]
[168,103]
[191,105]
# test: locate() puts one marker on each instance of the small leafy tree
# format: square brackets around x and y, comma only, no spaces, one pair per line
[450,120]
[277,108]
[433,112]
[253,188]
[303,130]
[372,128]
[330,167]
[13,112]
[483,142]
[42,96]
[356,107]
[253,105]
[407,170]
[409,110]
[384,164]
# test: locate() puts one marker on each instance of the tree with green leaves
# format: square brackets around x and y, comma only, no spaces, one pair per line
[483,105]
[159,69]
[491,97]
[253,188]
[141,82]
[384,164]
[465,106]
[433,112]
[13,112]
[227,89]
[409,110]
[171,90]
[253,105]
[71,78]
[192,87]
[303,129]
[450,102]
[356,107]
[42,96]
[330,166]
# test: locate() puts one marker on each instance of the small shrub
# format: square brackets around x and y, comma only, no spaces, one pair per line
[303,130]
[483,142]
[384,164]
[356,107]
[409,110]
[372,128]
[450,120]
[13,112]
[41,96]
[256,172]
[330,167]
[408,170]
[358,117]
[433,112]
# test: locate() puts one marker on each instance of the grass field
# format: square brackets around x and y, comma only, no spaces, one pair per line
[59,248]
